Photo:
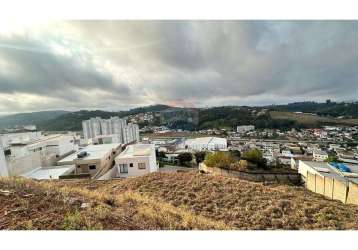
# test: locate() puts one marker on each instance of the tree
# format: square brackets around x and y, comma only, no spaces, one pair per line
[160,154]
[185,158]
[236,154]
[200,156]
[219,160]
[255,156]
[332,158]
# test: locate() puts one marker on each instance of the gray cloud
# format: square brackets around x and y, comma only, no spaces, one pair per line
[116,64]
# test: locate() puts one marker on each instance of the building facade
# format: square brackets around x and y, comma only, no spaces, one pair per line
[245,128]
[124,133]
[136,160]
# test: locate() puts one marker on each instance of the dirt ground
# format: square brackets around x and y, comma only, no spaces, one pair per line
[184,200]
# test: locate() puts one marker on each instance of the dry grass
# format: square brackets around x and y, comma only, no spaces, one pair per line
[310,119]
[50,205]
[169,201]
[241,204]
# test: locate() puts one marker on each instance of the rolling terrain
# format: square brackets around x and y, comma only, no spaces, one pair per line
[227,117]
[168,201]
[311,120]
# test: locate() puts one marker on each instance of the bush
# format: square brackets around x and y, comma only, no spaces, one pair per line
[219,160]
[236,154]
[200,156]
[185,158]
[255,156]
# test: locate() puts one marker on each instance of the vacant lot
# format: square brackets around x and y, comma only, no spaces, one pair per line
[174,201]
[311,119]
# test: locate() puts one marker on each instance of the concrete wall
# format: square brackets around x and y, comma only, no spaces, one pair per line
[328,187]
[320,184]
[352,197]
[24,164]
[3,165]
[311,182]
[340,190]
[332,188]
[252,176]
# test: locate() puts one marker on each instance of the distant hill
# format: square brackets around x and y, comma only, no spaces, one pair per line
[72,121]
[328,108]
[29,118]
[68,121]
[273,116]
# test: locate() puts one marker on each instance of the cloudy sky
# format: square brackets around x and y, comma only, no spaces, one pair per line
[116,65]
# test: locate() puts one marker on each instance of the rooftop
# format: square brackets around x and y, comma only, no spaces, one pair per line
[319,152]
[94,152]
[325,169]
[206,140]
[48,172]
[137,150]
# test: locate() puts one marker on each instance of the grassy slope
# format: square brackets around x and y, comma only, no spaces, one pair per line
[170,201]
[310,119]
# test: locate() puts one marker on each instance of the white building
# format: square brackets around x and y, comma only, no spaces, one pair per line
[96,127]
[205,144]
[136,160]
[25,156]
[7,139]
[245,128]
[92,161]
[3,165]
[319,155]
[91,128]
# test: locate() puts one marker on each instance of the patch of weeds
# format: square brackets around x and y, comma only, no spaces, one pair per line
[75,221]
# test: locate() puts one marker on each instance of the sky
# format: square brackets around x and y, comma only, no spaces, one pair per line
[117,65]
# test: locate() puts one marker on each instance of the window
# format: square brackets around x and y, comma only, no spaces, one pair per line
[92,167]
[141,165]
[131,165]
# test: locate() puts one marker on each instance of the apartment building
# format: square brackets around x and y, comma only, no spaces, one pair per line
[114,126]
[319,155]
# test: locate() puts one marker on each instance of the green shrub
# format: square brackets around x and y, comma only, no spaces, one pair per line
[185,158]
[255,156]
[219,160]
[200,156]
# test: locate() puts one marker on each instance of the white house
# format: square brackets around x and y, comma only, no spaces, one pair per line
[205,144]
[245,128]
[136,160]
[92,161]
[319,155]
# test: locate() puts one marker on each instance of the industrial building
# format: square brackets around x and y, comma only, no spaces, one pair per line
[204,144]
